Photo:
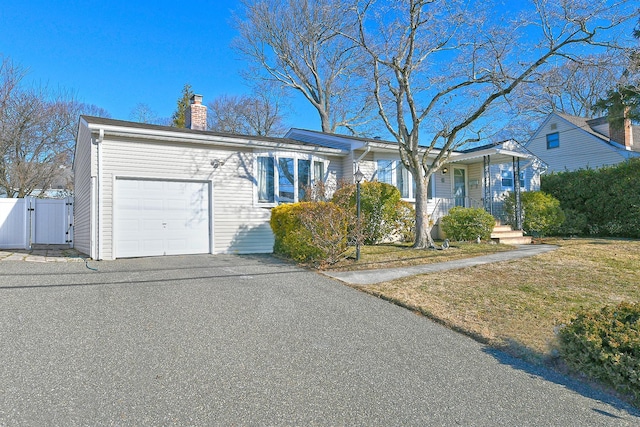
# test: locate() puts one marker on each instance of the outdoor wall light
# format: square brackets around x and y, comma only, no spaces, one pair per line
[216,163]
[445,170]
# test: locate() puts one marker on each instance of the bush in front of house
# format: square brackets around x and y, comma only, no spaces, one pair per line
[601,202]
[468,224]
[383,215]
[541,212]
[605,345]
[310,231]
[406,221]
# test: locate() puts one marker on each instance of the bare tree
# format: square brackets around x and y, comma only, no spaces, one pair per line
[573,88]
[259,114]
[297,44]
[142,113]
[623,101]
[37,133]
[440,67]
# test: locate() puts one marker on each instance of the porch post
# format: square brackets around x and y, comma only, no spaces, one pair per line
[516,192]
[487,202]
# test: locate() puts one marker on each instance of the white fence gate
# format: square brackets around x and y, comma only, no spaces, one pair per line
[28,221]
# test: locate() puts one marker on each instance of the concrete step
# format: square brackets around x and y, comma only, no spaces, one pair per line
[522,240]
[500,228]
[505,234]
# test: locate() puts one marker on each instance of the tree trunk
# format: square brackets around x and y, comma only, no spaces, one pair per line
[423,224]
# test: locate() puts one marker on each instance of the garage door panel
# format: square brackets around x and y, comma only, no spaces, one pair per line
[161,217]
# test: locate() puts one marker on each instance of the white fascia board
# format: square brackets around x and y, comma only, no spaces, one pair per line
[392,147]
[460,157]
[151,134]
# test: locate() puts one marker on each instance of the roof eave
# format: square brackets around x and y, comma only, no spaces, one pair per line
[208,139]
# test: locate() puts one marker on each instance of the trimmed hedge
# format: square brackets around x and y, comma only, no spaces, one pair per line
[468,224]
[602,202]
[605,345]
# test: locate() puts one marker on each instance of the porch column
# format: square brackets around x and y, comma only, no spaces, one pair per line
[516,192]
[486,185]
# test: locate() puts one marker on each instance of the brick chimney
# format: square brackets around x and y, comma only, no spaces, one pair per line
[196,115]
[623,135]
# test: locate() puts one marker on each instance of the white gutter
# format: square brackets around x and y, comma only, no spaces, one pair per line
[155,135]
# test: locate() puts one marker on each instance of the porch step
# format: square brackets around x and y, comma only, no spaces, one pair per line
[506,235]
[523,240]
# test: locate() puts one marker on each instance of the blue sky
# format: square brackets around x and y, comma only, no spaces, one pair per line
[116,54]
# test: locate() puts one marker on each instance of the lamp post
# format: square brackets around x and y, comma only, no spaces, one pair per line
[358,176]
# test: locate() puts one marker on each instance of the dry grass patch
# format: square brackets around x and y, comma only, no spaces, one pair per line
[517,304]
[403,255]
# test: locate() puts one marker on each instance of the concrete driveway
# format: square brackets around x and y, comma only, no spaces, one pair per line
[240,340]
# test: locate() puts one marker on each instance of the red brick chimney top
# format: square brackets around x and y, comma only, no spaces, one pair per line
[196,114]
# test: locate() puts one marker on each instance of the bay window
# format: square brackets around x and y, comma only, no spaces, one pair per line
[285,179]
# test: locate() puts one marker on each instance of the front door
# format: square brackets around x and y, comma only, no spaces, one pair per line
[459,186]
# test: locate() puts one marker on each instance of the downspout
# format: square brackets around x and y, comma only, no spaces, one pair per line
[98,247]
[357,161]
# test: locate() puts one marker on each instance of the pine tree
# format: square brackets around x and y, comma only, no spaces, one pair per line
[178,117]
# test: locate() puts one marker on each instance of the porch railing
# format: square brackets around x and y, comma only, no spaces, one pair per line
[444,205]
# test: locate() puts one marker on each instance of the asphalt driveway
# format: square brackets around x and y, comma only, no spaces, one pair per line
[239,340]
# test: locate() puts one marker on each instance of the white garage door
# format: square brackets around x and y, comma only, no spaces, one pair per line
[160,218]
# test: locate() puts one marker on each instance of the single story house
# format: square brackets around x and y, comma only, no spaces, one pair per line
[149,190]
[566,143]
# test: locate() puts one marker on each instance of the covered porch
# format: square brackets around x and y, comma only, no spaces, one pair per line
[477,176]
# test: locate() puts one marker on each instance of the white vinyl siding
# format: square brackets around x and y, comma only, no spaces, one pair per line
[578,149]
[239,226]
[82,205]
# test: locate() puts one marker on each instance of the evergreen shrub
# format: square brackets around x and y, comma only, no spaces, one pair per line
[541,212]
[468,224]
[605,345]
[603,202]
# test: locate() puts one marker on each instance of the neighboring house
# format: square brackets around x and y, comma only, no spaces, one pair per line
[567,143]
[145,190]
[58,187]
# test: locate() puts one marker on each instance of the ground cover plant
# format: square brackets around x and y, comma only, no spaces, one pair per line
[520,305]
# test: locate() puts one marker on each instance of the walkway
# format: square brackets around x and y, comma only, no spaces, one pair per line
[42,253]
[371,277]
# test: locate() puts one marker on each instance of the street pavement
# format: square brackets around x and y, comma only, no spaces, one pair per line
[248,340]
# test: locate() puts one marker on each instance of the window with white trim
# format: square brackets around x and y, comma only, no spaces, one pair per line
[553,140]
[395,173]
[284,179]
[507,179]
[266,188]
